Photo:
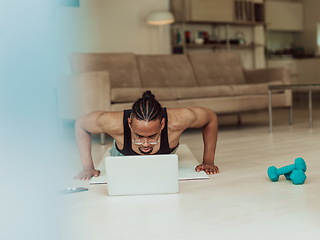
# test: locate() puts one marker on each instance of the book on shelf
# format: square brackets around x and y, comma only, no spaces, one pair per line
[244,10]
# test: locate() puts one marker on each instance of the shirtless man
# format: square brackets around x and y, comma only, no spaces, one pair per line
[145,129]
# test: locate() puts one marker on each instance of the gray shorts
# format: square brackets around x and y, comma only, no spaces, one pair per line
[114,151]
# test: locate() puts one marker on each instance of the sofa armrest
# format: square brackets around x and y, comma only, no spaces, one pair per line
[82,93]
[266,75]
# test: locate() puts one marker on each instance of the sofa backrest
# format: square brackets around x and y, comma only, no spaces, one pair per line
[217,68]
[122,67]
[165,71]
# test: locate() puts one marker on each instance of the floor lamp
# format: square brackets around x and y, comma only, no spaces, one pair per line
[160,19]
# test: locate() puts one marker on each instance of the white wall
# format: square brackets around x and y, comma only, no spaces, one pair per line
[112,26]
[125,27]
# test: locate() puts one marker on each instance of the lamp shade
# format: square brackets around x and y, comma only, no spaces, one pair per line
[160,18]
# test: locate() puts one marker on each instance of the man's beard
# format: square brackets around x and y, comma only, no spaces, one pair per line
[145,152]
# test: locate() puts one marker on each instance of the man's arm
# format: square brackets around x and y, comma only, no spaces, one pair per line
[91,123]
[207,120]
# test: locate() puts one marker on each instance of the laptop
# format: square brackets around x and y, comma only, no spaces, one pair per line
[140,175]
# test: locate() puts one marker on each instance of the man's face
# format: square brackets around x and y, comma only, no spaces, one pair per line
[146,134]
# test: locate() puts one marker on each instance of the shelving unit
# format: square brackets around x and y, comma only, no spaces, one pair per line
[224,25]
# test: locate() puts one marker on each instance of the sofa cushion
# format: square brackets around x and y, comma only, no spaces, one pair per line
[165,71]
[217,68]
[204,92]
[253,89]
[122,67]
[119,95]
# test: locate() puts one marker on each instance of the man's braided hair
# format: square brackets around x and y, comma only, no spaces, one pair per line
[147,108]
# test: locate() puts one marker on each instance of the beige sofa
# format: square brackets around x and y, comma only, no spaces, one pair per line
[215,80]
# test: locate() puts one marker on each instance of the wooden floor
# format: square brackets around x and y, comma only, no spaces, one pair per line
[238,203]
[252,142]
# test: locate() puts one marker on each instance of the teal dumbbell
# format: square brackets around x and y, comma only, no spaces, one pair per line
[298,177]
[274,173]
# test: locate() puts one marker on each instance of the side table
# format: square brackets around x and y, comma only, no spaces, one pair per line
[294,87]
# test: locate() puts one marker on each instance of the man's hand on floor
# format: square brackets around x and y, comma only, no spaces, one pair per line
[87,174]
[208,168]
